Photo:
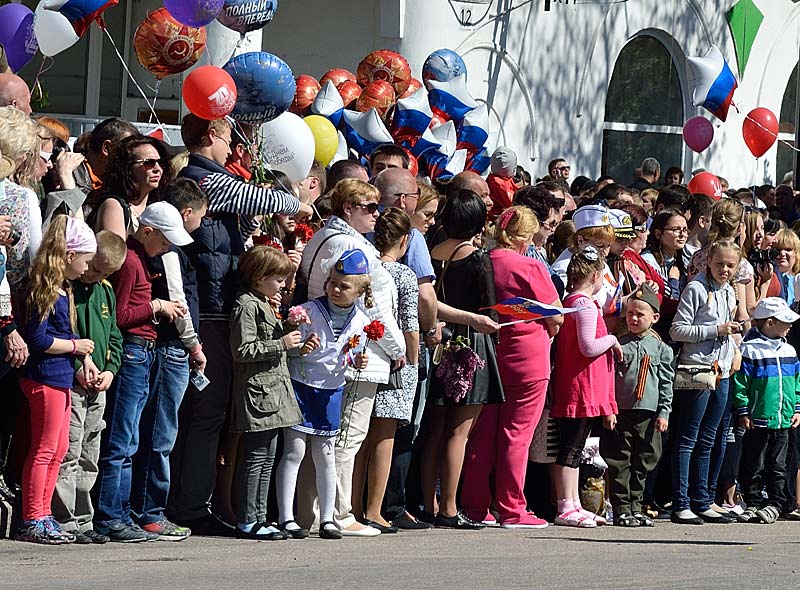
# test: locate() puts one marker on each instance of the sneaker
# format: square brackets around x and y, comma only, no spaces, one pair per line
[35,531]
[459,521]
[527,521]
[768,514]
[736,509]
[54,528]
[624,519]
[148,535]
[407,522]
[643,519]
[95,537]
[122,533]
[748,515]
[489,520]
[793,515]
[167,531]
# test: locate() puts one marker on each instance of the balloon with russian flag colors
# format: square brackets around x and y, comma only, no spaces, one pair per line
[712,82]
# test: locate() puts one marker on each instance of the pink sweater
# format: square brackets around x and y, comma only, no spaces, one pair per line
[583,378]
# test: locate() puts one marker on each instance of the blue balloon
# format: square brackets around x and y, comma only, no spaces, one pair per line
[244,16]
[265,85]
[443,65]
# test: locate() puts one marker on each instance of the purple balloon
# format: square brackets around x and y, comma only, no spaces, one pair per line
[194,13]
[698,132]
[16,35]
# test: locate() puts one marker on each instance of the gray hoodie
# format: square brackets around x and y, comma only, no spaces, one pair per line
[702,308]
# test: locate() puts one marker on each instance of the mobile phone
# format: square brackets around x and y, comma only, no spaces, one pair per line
[198,379]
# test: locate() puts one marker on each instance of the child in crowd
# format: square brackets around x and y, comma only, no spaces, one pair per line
[766,399]
[263,400]
[96,313]
[704,324]
[583,381]
[644,399]
[331,341]
[46,380]
[160,225]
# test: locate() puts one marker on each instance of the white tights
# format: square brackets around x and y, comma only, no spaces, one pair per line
[294,449]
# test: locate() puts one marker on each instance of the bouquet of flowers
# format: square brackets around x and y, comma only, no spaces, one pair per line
[298,315]
[373,331]
[457,368]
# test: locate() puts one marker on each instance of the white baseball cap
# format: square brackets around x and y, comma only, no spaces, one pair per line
[591,216]
[166,219]
[775,307]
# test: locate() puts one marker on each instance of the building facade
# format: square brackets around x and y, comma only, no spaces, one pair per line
[601,83]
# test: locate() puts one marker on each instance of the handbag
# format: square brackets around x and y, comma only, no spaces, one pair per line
[395,381]
[696,376]
[301,288]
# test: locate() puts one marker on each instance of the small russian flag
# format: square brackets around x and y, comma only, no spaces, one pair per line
[528,309]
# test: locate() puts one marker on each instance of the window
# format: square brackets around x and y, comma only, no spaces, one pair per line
[644,110]
[787,127]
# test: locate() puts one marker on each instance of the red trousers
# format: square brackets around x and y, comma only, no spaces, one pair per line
[500,441]
[50,414]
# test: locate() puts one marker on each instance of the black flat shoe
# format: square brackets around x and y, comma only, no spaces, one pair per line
[406,523]
[385,530]
[426,517]
[721,519]
[299,533]
[459,521]
[259,532]
[329,533]
[678,520]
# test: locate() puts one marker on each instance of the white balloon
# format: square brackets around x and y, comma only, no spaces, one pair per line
[342,152]
[327,101]
[53,31]
[447,137]
[287,144]
[457,162]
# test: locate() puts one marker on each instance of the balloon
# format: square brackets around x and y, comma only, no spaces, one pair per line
[16,35]
[342,151]
[443,65]
[474,129]
[705,183]
[451,97]
[712,82]
[164,46]
[53,31]
[328,103]
[326,138]
[349,91]
[423,143]
[364,131]
[337,76]
[376,95]
[209,92]
[194,13]
[447,138]
[698,132]
[439,118]
[265,85]
[288,145]
[244,16]
[413,86]
[79,13]
[442,167]
[413,164]
[412,115]
[385,65]
[480,162]
[306,91]
[760,131]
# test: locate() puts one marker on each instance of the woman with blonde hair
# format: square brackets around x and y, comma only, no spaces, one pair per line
[501,437]
[424,216]
[19,141]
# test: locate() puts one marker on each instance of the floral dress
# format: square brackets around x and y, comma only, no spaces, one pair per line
[397,403]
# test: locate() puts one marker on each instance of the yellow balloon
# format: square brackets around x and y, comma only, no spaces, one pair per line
[326,139]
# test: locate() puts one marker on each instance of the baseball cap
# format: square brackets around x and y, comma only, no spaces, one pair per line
[352,262]
[622,224]
[166,219]
[591,216]
[504,162]
[775,307]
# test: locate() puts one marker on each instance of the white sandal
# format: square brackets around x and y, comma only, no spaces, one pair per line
[575,518]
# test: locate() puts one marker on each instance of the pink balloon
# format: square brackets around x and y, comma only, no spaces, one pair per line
[698,132]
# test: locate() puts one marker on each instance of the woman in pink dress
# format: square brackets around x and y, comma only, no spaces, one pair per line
[503,432]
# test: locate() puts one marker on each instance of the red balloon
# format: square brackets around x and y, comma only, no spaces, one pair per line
[413,86]
[760,131]
[305,93]
[385,65]
[337,76]
[439,118]
[413,164]
[705,183]
[378,95]
[164,46]
[349,91]
[209,92]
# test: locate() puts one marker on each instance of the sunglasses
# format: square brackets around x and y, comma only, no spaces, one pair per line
[149,163]
[370,207]
[408,195]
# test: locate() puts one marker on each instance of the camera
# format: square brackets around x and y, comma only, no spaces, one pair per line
[758,256]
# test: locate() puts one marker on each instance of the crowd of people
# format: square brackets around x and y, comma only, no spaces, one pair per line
[193,344]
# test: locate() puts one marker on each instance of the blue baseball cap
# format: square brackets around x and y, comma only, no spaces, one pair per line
[352,262]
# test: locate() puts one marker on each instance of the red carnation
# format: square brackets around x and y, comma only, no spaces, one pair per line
[374,330]
[303,232]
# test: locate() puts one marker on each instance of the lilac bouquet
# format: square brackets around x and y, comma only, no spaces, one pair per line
[457,368]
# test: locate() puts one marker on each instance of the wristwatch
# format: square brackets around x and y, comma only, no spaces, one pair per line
[430,333]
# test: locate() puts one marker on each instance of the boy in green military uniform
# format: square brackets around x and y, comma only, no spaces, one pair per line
[644,397]
[95,306]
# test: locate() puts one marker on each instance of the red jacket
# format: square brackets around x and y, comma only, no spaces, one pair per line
[501,190]
[649,271]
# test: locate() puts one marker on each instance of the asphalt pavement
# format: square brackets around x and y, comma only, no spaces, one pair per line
[734,556]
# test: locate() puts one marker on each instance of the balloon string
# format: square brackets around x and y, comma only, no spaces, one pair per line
[155,98]
[47,63]
[130,75]
[785,143]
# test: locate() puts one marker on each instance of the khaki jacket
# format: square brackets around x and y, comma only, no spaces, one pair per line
[263,397]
